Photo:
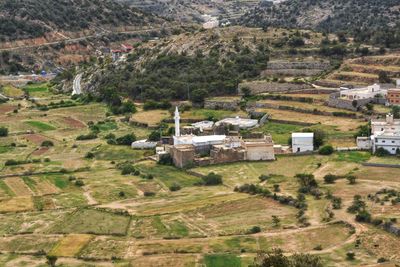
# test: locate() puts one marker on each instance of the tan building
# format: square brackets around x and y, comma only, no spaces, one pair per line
[259,149]
[182,155]
[393,97]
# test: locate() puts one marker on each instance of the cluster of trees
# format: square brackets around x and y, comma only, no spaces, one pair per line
[368,21]
[181,76]
[275,257]
[29,18]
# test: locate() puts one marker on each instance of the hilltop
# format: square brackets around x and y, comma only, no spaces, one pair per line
[24,19]
[371,20]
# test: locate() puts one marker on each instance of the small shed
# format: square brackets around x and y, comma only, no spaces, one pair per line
[302,142]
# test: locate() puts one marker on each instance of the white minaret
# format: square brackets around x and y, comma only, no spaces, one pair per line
[177,123]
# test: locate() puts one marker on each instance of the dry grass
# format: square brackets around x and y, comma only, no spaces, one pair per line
[70,245]
[18,186]
[152,117]
[343,124]
[17,204]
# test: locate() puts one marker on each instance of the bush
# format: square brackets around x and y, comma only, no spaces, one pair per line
[212,179]
[254,230]
[3,132]
[126,140]
[351,179]
[149,194]
[330,178]
[263,177]
[79,183]
[363,216]
[350,255]
[47,143]
[175,187]
[89,155]
[326,150]
[89,136]
[127,169]
[381,152]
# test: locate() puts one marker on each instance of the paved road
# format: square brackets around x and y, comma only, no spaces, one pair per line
[76,87]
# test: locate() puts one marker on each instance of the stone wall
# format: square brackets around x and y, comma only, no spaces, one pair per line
[222,155]
[336,102]
[224,105]
[258,87]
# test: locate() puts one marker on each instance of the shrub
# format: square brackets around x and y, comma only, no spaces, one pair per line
[363,216]
[121,194]
[89,136]
[89,155]
[127,169]
[212,179]
[326,150]
[254,230]
[330,178]
[46,160]
[336,203]
[175,187]
[79,183]
[126,140]
[351,179]
[3,132]
[47,143]
[381,152]
[350,255]
[149,194]
[263,177]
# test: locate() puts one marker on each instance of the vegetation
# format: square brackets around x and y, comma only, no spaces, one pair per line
[212,179]
[180,76]
[277,258]
[3,131]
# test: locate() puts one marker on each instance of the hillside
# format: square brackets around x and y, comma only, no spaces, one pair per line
[24,19]
[192,11]
[376,19]
[194,65]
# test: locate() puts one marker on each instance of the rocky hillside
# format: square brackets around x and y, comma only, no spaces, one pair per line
[375,21]
[24,19]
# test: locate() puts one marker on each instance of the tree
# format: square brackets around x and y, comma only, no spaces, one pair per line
[336,203]
[155,136]
[51,260]
[351,179]
[3,132]
[47,143]
[326,150]
[199,95]
[212,179]
[175,187]
[319,136]
[275,258]
[384,78]
[246,91]
[276,188]
[126,140]
[330,178]
[275,221]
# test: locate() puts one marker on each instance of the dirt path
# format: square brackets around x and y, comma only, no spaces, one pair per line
[90,199]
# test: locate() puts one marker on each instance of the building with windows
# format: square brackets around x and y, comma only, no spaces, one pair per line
[393,97]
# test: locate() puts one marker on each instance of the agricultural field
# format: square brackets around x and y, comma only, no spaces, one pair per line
[70,199]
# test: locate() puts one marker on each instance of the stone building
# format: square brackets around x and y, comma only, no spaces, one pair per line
[302,142]
[393,97]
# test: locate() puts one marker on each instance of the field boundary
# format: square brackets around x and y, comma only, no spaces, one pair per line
[381,165]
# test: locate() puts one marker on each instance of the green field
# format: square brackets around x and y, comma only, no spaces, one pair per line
[41,125]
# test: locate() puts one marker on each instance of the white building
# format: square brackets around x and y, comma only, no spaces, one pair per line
[390,124]
[193,139]
[363,93]
[302,142]
[242,123]
[143,144]
[390,141]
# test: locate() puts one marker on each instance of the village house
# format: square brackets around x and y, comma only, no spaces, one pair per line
[368,92]
[188,150]
[393,97]
[302,142]
[385,135]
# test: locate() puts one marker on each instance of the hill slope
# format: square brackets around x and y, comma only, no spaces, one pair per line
[370,20]
[22,19]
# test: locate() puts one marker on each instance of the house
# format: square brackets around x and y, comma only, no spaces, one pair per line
[116,54]
[126,48]
[369,92]
[302,142]
[390,141]
[393,97]
[385,125]
[239,123]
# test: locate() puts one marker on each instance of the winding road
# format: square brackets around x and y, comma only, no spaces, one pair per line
[76,87]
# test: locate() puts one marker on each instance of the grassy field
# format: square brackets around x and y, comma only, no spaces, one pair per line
[87,213]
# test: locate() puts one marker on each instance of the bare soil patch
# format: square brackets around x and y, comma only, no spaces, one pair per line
[18,186]
[71,122]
